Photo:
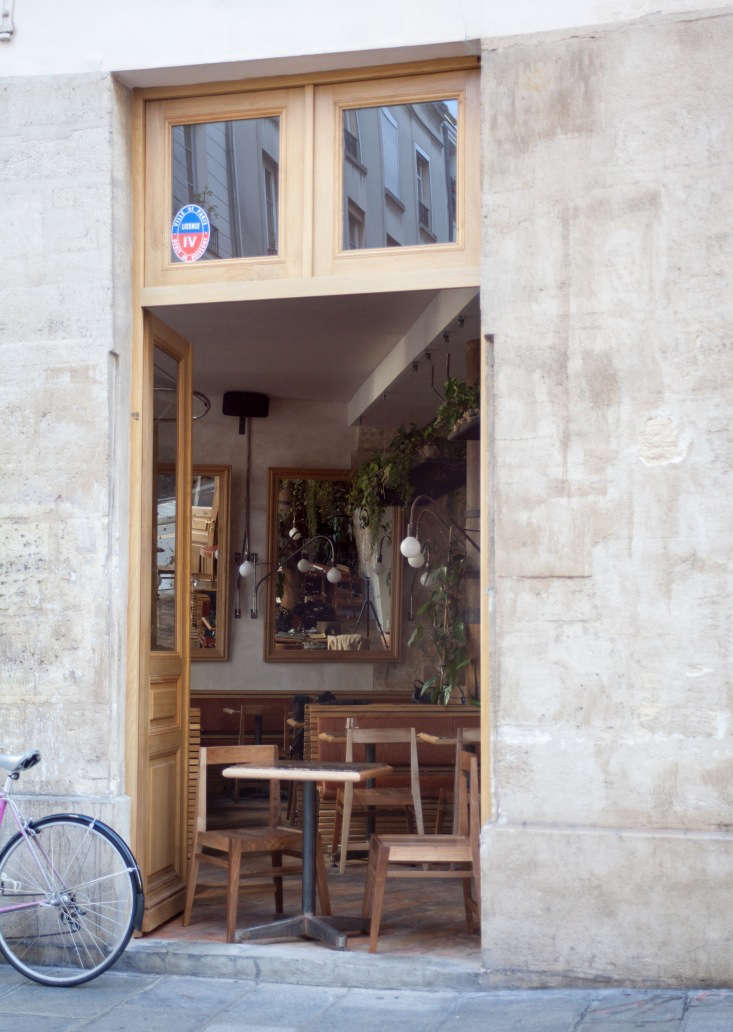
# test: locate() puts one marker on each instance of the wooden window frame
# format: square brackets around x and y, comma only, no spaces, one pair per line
[310,217]
[411,262]
[288,105]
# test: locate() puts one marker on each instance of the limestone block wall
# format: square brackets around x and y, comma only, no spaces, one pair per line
[608,248]
[64,385]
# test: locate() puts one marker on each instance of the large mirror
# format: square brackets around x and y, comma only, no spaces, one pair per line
[210,562]
[332,589]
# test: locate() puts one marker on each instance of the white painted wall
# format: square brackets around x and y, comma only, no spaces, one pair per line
[176,36]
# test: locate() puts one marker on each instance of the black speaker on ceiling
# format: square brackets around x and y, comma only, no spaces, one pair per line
[245,404]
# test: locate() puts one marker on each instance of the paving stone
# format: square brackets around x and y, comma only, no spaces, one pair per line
[627,1005]
[280,1006]
[709,1011]
[83,1001]
[521,1011]
[41,1023]
[389,1011]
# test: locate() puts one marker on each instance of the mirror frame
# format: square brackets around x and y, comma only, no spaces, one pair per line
[273,655]
[220,652]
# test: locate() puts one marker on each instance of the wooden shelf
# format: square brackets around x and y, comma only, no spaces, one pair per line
[438,477]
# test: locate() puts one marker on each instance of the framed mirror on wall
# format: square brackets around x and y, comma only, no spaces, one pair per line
[210,562]
[331,589]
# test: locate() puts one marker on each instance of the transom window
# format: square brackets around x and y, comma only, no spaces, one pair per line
[297,182]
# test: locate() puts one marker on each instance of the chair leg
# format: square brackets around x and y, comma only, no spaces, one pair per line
[380,878]
[438,811]
[366,905]
[235,861]
[193,874]
[322,879]
[336,837]
[277,861]
[292,803]
[345,825]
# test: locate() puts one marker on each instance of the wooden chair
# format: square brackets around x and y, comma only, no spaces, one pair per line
[467,735]
[225,847]
[350,798]
[422,852]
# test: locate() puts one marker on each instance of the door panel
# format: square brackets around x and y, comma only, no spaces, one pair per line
[160,831]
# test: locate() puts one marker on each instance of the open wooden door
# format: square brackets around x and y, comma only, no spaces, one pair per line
[159,810]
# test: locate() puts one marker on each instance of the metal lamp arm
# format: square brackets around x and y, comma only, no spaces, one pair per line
[448,523]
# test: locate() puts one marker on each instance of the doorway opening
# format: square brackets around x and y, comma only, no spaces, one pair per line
[342,374]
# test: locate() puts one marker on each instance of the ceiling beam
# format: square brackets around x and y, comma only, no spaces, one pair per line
[442,310]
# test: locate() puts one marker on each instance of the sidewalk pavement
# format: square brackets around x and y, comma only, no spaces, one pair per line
[120,1000]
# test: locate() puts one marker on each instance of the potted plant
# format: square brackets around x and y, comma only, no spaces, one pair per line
[461,404]
[442,629]
[384,478]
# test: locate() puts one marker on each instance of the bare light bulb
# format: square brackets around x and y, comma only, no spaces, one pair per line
[410,547]
[417,561]
[304,565]
[247,568]
[333,575]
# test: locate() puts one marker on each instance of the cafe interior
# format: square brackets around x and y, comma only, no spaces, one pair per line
[334,614]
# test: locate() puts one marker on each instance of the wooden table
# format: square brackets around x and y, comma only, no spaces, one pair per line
[328,929]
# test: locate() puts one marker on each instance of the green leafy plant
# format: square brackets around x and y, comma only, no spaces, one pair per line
[442,630]
[461,401]
[384,478]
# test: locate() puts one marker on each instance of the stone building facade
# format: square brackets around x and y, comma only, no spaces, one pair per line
[606,305]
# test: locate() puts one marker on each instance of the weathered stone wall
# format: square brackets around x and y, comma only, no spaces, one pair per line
[608,248]
[64,341]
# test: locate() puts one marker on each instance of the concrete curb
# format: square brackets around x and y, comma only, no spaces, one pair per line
[301,964]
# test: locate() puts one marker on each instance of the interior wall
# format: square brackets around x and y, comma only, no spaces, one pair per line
[297,433]
[606,283]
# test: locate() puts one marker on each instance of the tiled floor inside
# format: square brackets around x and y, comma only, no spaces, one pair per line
[419,916]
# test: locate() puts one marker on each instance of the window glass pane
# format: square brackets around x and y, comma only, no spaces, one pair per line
[230,170]
[399,175]
[165,431]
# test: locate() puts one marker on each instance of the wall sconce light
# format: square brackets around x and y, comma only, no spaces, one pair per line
[410,546]
[304,565]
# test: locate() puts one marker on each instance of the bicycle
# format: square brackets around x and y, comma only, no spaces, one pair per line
[74,890]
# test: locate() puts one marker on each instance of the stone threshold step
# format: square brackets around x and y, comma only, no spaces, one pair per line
[302,963]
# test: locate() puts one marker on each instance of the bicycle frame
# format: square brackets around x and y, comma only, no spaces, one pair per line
[22,826]
[26,830]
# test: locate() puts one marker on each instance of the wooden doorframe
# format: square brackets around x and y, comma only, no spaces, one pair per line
[135,670]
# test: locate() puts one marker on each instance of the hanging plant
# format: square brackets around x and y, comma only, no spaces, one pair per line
[384,478]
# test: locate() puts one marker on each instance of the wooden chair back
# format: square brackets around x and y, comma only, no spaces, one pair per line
[232,755]
[389,736]
[468,803]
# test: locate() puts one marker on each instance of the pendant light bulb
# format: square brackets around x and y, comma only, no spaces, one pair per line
[304,565]
[334,575]
[247,568]
[416,561]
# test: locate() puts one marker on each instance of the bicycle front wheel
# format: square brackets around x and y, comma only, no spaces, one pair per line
[70,891]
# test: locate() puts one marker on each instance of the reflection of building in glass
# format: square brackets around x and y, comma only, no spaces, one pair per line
[399,175]
[231,170]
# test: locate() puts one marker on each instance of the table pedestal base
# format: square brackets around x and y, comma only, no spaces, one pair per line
[331,930]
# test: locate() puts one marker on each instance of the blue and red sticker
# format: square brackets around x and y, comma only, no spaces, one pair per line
[190,233]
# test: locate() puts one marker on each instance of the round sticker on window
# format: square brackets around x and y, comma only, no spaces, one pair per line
[190,233]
